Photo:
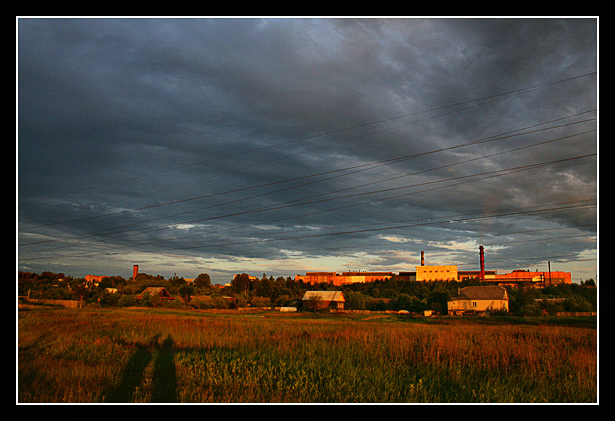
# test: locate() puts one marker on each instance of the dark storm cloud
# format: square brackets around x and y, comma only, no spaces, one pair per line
[228,139]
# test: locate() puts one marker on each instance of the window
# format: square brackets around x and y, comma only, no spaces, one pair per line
[473,303]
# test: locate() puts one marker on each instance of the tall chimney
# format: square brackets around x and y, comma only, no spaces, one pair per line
[135,271]
[422,258]
[482,264]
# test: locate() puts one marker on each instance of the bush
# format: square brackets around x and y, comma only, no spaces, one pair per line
[219,302]
[206,302]
[127,301]
[529,310]
[355,301]
[202,302]
[176,303]
[411,303]
[260,302]
[107,299]
[283,300]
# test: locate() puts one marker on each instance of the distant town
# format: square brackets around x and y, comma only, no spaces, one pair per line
[430,289]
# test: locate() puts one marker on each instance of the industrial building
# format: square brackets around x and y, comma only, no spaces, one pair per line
[96,279]
[436,273]
[344,278]
[535,279]
[444,273]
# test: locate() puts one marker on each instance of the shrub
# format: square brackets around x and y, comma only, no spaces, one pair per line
[219,302]
[127,301]
[202,302]
[260,302]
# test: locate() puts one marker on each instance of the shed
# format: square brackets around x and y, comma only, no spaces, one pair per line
[156,291]
[317,300]
[479,299]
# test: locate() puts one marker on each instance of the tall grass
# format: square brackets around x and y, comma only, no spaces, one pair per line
[165,356]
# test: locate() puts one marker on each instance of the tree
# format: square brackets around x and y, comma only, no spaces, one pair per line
[577,303]
[355,300]
[177,281]
[241,283]
[186,292]
[80,291]
[522,300]
[202,281]
[263,288]
[409,302]
[437,301]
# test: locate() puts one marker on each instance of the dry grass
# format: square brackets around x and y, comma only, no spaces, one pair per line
[199,356]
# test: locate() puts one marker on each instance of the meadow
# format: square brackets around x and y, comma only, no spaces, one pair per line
[180,356]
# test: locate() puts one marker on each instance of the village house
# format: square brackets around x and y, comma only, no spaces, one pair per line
[156,291]
[319,300]
[479,299]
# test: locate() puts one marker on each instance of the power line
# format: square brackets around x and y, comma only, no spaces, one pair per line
[356,168]
[465,236]
[484,175]
[395,227]
[447,220]
[489,97]
[488,174]
[530,210]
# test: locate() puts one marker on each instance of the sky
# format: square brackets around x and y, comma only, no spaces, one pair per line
[281,146]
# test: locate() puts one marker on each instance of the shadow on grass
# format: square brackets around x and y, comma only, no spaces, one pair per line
[164,389]
[164,384]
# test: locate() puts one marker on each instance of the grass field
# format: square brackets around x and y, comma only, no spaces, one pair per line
[142,356]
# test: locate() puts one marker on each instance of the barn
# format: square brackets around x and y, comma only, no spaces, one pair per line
[318,300]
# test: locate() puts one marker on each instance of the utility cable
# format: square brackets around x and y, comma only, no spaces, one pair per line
[504,94]
[378,163]
[531,210]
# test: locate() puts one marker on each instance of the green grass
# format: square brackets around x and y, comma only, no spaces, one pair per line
[145,356]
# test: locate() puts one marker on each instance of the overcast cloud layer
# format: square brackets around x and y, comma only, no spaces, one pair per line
[282,146]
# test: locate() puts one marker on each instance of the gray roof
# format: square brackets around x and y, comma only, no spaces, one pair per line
[324,296]
[483,293]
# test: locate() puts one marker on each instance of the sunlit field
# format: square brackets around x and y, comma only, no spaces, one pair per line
[138,355]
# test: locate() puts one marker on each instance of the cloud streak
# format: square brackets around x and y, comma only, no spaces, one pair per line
[199,145]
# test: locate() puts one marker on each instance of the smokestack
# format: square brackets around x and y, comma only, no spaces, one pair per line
[422,258]
[135,271]
[482,264]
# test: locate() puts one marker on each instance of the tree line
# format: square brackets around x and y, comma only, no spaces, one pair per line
[245,291]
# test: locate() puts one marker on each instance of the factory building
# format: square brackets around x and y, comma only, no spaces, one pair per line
[444,273]
[536,279]
[464,275]
[344,278]
[436,273]
[94,279]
